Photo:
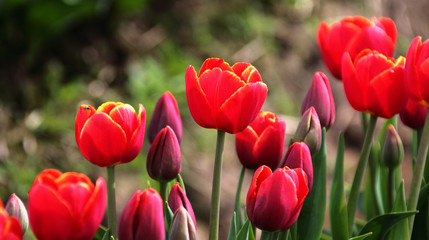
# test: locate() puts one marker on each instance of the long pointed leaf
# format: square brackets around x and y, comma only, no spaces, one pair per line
[246,232]
[400,230]
[380,225]
[361,237]
[232,227]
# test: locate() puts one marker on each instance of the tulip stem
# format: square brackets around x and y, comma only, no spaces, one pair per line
[163,190]
[217,175]
[391,188]
[360,170]
[418,171]
[237,198]
[111,200]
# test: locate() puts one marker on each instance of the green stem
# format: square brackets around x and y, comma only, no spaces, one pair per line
[111,201]
[237,198]
[418,171]
[265,235]
[275,235]
[391,188]
[217,175]
[163,190]
[360,170]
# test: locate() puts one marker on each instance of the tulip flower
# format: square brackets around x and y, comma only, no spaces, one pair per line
[298,156]
[309,130]
[177,199]
[320,97]
[275,199]
[182,226]
[392,149]
[352,35]
[15,207]
[223,97]
[164,158]
[166,113]
[112,134]
[413,114]
[262,142]
[66,205]
[416,73]
[142,217]
[373,83]
[10,228]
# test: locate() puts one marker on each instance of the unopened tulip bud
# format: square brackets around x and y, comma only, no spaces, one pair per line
[15,207]
[298,156]
[309,130]
[182,226]
[320,97]
[177,199]
[164,157]
[413,114]
[392,149]
[166,113]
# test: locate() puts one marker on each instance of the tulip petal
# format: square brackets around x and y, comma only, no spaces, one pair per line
[299,178]
[126,117]
[260,175]
[102,140]
[352,86]
[411,76]
[372,38]
[137,139]
[107,107]
[269,147]
[84,113]
[198,105]
[424,79]
[244,143]
[46,209]
[241,108]
[388,25]
[212,63]
[128,222]
[151,217]
[178,198]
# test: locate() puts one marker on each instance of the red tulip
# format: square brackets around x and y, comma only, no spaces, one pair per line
[178,198]
[262,142]
[164,157]
[166,113]
[143,217]
[416,73]
[413,114]
[10,228]
[223,97]
[354,34]
[275,199]
[320,97]
[66,205]
[374,83]
[298,156]
[112,134]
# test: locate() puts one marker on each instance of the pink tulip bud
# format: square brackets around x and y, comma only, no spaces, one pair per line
[298,156]
[15,207]
[182,226]
[177,199]
[309,130]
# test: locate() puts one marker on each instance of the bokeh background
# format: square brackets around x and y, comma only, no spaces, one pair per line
[58,54]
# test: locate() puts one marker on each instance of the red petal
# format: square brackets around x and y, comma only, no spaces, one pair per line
[300,180]
[128,222]
[136,142]
[151,217]
[103,141]
[352,85]
[108,106]
[388,26]
[411,75]
[241,108]
[212,63]
[268,149]
[244,143]
[126,117]
[260,175]
[251,75]
[373,38]
[84,113]
[197,102]
[239,68]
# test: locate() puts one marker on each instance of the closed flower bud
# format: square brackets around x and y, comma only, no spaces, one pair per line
[9,225]
[166,113]
[309,130]
[320,97]
[413,114]
[182,226]
[298,156]
[177,199]
[15,207]
[164,157]
[392,149]
[143,217]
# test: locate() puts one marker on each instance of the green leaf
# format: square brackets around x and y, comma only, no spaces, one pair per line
[246,232]
[168,215]
[380,225]
[337,206]
[232,229]
[420,229]
[312,216]
[100,233]
[361,237]
[400,230]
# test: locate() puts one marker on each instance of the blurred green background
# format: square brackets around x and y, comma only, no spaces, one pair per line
[58,54]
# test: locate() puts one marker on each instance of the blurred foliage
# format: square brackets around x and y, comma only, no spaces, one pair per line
[58,54]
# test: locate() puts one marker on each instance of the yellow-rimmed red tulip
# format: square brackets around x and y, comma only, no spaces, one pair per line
[298,156]
[413,114]
[178,198]
[164,158]
[320,97]
[262,142]
[112,134]
[166,113]
[374,83]
[142,217]
[353,34]
[182,226]
[10,228]
[416,73]
[309,130]
[15,207]
[66,205]
[275,199]
[223,97]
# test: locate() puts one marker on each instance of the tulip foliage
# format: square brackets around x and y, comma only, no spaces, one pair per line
[287,195]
